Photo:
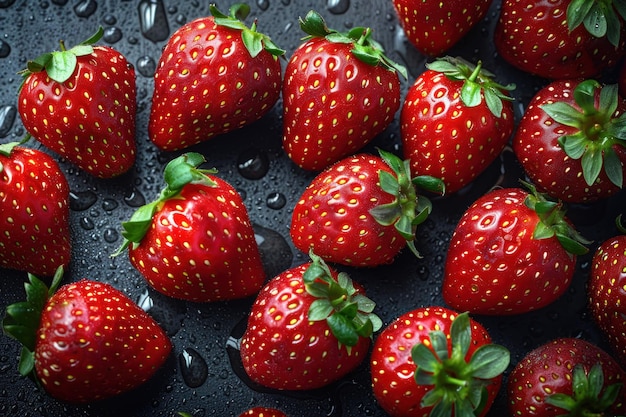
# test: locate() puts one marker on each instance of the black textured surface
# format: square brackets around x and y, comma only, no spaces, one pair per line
[201,332]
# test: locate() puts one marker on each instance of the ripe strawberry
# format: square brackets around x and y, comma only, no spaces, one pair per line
[308,327]
[561,38]
[85,342]
[571,141]
[511,252]
[81,103]
[567,377]
[434,361]
[433,27]
[340,91]
[34,207]
[195,242]
[607,291]
[455,121]
[215,75]
[361,211]
[263,412]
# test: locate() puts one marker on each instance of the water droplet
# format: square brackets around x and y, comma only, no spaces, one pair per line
[82,200]
[338,6]
[263,4]
[146,66]
[135,198]
[253,164]
[145,302]
[112,35]
[60,2]
[276,200]
[109,19]
[109,204]
[6,3]
[153,20]
[86,223]
[85,8]
[276,253]
[5,49]
[7,118]
[110,235]
[193,367]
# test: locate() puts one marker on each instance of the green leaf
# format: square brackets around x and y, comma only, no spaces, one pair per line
[439,344]
[461,333]
[591,162]
[343,330]
[26,364]
[424,358]
[574,145]
[253,42]
[389,183]
[563,113]
[61,66]
[613,167]
[489,361]
[471,94]
[320,309]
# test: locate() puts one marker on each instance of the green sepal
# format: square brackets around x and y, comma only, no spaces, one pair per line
[255,42]
[184,414]
[177,174]
[600,18]
[477,82]
[349,315]
[364,47]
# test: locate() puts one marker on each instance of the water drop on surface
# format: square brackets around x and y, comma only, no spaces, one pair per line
[153,20]
[253,164]
[110,235]
[146,66]
[338,6]
[276,200]
[193,368]
[82,200]
[86,223]
[7,118]
[276,253]
[112,35]
[263,4]
[85,8]
[134,198]
[6,3]
[109,204]
[5,49]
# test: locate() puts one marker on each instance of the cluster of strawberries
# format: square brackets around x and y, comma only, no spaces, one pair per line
[513,251]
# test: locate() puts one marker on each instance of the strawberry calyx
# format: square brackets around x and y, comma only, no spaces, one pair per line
[408,210]
[60,65]
[364,47]
[589,395]
[477,82]
[178,172]
[349,314]
[598,132]
[458,384]
[22,319]
[254,41]
[552,222]
[600,18]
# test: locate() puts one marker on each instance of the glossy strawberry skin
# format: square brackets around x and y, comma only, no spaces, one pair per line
[495,266]
[262,412]
[282,349]
[332,216]
[34,207]
[607,292]
[445,138]
[333,103]
[536,146]
[94,343]
[90,118]
[548,369]
[201,246]
[207,84]
[393,369]
[534,37]
[435,27]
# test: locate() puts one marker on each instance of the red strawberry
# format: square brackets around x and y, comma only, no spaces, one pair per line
[434,361]
[433,27]
[567,377]
[308,327]
[195,242]
[34,208]
[85,342]
[511,252]
[455,121]
[361,211]
[263,412]
[561,38]
[607,291]
[340,91]
[571,141]
[215,75]
[81,103]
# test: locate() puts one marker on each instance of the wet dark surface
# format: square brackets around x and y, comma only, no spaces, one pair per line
[200,378]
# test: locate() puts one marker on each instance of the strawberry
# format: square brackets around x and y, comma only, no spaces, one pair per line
[571,140]
[215,75]
[455,121]
[567,377]
[433,27]
[512,251]
[607,291]
[86,341]
[34,207]
[81,103]
[561,38]
[340,91]
[361,211]
[432,361]
[262,412]
[308,327]
[195,241]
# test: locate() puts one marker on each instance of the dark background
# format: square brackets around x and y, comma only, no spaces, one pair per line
[202,332]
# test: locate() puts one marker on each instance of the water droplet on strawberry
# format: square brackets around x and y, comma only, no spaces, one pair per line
[193,367]
[153,20]
[82,200]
